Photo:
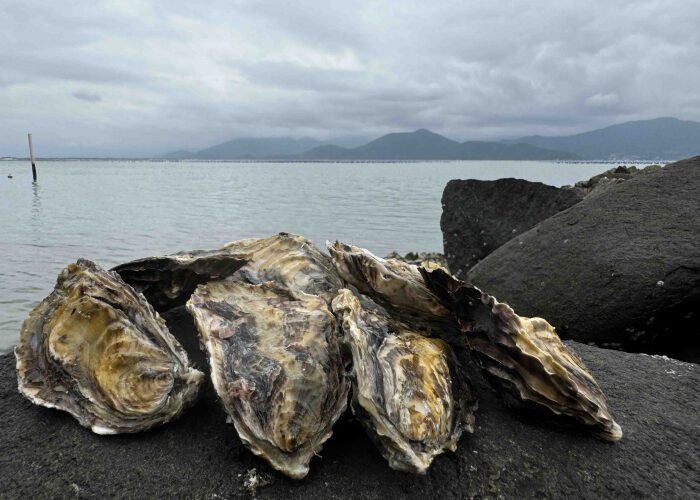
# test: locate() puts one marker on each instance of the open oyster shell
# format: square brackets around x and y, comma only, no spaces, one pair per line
[407,388]
[524,357]
[96,349]
[276,365]
[168,281]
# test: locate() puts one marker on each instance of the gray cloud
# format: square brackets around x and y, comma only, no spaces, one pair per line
[87,96]
[172,75]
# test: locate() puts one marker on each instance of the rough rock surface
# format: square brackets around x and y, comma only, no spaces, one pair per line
[480,216]
[46,454]
[602,182]
[620,269]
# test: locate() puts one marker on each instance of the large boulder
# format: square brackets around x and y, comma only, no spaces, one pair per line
[620,269]
[46,454]
[480,216]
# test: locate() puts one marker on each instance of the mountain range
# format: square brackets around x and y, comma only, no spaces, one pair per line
[426,145]
[657,139]
[661,138]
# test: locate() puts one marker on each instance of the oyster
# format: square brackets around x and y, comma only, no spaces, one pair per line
[169,281]
[96,349]
[275,363]
[408,390]
[274,348]
[399,287]
[524,357]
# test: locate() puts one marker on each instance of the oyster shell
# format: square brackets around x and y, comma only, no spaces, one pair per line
[391,281]
[524,357]
[399,287]
[96,349]
[276,364]
[407,388]
[289,260]
[169,281]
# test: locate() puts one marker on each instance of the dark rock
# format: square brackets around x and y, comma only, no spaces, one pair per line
[420,258]
[621,172]
[620,269]
[480,216]
[46,454]
[602,182]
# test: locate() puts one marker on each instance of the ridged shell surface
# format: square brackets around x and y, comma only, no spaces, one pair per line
[276,365]
[393,281]
[524,357]
[407,388]
[96,349]
[399,287]
[289,260]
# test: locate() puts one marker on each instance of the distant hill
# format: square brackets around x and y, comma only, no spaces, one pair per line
[426,145]
[658,139]
[180,154]
[250,148]
[327,152]
[261,148]
[419,145]
[477,150]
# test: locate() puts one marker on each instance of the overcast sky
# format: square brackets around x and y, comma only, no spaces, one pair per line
[145,77]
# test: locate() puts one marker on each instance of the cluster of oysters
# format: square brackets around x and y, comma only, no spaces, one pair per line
[288,332]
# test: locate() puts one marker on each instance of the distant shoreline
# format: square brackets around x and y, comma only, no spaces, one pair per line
[269,160]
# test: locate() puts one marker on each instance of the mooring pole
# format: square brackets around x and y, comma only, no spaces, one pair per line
[31,154]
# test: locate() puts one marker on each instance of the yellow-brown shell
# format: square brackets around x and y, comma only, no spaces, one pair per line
[524,357]
[407,388]
[95,348]
[276,365]
[399,287]
[392,281]
[289,260]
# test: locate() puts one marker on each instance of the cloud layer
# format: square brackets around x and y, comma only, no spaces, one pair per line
[137,78]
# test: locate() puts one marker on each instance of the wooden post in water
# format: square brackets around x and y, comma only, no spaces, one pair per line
[31,154]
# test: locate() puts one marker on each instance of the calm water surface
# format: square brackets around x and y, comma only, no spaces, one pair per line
[115,211]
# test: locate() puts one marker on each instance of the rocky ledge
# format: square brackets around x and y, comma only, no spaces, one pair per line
[656,400]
